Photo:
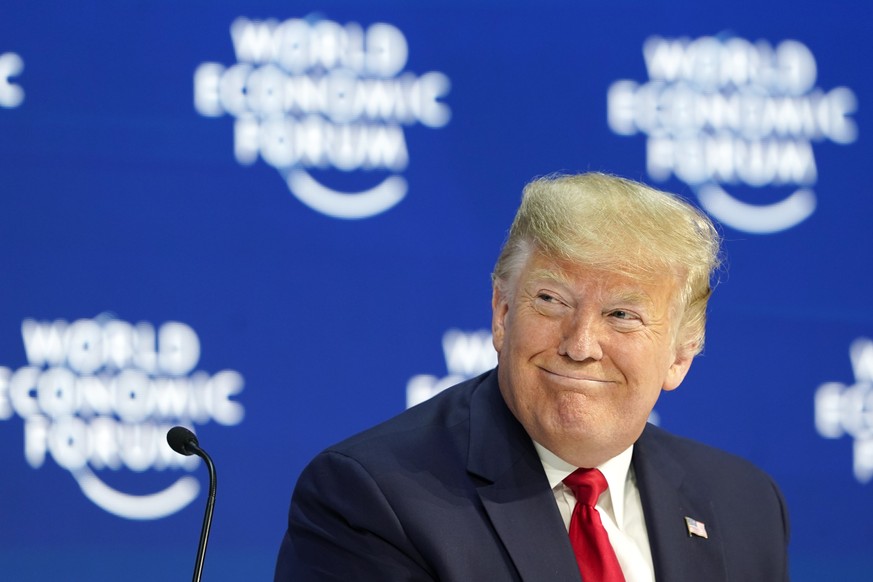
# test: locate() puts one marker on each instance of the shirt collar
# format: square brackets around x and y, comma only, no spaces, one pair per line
[615,470]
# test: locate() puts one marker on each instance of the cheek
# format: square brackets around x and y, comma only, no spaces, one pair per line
[642,359]
[533,333]
[646,377]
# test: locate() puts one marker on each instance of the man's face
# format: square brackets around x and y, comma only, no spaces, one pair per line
[583,355]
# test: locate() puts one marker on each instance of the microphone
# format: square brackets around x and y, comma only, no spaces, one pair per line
[185,443]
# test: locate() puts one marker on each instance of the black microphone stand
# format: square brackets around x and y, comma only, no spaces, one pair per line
[207,517]
[184,442]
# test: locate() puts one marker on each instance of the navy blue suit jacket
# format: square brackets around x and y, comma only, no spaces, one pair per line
[453,489]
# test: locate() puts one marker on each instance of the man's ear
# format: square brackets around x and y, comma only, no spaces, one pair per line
[499,309]
[679,368]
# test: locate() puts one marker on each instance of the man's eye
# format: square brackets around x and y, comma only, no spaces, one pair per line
[625,316]
[548,304]
[625,320]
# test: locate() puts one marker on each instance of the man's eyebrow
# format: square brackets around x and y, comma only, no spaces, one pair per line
[633,297]
[550,275]
[628,296]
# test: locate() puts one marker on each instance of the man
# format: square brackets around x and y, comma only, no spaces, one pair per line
[599,303]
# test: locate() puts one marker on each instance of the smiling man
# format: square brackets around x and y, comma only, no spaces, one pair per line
[545,469]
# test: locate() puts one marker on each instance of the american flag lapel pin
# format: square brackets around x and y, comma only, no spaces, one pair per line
[696,528]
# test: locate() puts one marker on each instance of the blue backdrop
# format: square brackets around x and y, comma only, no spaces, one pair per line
[274,222]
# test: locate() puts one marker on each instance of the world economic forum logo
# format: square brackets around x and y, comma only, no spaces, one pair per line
[735,119]
[11,93]
[843,409]
[467,354]
[312,95]
[99,396]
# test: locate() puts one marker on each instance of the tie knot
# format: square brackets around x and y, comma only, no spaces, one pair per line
[586,484]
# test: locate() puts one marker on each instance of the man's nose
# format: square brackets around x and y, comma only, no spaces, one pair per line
[582,336]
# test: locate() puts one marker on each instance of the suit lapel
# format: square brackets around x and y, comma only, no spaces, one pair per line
[668,497]
[515,492]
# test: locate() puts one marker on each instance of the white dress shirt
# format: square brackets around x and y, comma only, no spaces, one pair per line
[620,509]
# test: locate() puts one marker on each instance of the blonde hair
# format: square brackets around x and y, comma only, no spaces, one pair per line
[620,226]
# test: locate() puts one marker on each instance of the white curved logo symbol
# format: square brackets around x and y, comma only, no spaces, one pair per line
[761,218]
[343,204]
[100,394]
[311,96]
[153,506]
[728,116]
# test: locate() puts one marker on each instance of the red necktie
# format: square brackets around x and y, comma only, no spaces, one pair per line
[594,553]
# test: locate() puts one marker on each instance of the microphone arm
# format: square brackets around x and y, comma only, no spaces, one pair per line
[185,443]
